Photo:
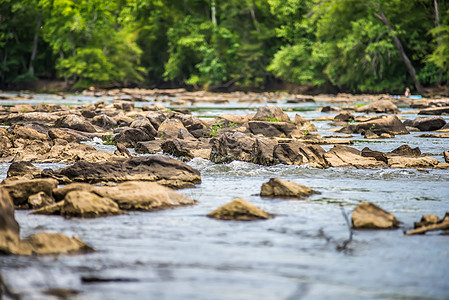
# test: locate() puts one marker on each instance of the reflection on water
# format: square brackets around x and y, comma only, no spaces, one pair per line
[181,254]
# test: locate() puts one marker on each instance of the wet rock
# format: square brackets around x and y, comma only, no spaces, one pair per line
[367,215]
[232,146]
[442,225]
[427,220]
[187,149]
[446,156]
[271,129]
[129,137]
[159,168]
[263,151]
[240,210]
[381,106]
[151,147]
[75,122]
[390,124]
[379,156]
[343,156]
[20,189]
[172,129]
[406,150]
[437,111]
[297,153]
[428,123]
[329,109]
[122,151]
[144,123]
[344,116]
[412,162]
[271,113]
[104,121]
[23,169]
[276,187]
[40,199]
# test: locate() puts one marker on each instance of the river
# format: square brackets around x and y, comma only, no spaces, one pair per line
[182,254]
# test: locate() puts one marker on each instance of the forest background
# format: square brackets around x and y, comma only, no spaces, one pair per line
[325,45]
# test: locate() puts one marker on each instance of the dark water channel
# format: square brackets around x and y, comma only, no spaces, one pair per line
[181,254]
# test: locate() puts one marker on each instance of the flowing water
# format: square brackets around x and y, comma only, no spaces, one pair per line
[182,254]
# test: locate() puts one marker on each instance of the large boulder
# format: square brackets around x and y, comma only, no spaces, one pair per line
[367,215]
[193,124]
[271,113]
[428,123]
[75,122]
[187,149]
[406,150]
[144,123]
[20,189]
[297,153]
[277,187]
[271,129]
[263,151]
[343,156]
[23,169]
[159,168]
[381,106]
[240,210]
[232,146]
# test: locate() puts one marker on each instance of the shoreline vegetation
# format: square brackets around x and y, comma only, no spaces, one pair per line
[308,47]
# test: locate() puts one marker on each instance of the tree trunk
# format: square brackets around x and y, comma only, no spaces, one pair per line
[36,38]
[214,20]
[381,16]
[252,10]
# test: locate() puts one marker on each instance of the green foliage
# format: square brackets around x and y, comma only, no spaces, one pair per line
[108,140]
[214,129]
[272,119]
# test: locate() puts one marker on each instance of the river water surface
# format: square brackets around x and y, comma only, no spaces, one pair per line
[182,254]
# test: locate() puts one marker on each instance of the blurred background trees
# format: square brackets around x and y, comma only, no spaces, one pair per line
[346,45]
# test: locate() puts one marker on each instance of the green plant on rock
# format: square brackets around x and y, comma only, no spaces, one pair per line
[214,129]
[108,139]
[272,119]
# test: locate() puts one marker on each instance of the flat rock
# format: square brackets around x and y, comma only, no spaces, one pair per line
[277,187]
[297,153]
[367,215]
[239,210]
[435,111]
[381,106]
[343,156]
[150,147]
[412,162]
[159,168]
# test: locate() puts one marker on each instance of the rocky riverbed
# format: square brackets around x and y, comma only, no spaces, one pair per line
[131,176]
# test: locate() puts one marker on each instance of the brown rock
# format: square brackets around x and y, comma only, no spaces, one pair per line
[263,152]
[23,169]
[22,108]
[104,121]
[171,129]
[304,124]
[33,117]
[381,106]
[240,210]
[40,199]
[297,153]
[187,149]
[427,220]
[151,147]
[412,162]
[379,156]
[129,137]
[428,123]
[389,124]
[144,123]
[52,243]
[442,225]
[232,146]
[56,133]
[344,116]
[343,156]
[21,189]
[84,204]
[9,228]
[271,113]
[367,215]
[276,187]
[159,168]
[406,150]
[122,151]
[271,129]
[75,122]
[446,156]
[434,111]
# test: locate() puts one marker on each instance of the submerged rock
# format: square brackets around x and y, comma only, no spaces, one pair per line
[159,168]
[367,215]
[431,226]
[276,187]
[240,210]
